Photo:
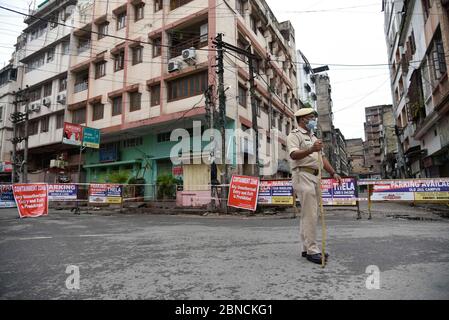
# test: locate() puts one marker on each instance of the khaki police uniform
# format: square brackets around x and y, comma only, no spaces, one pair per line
[306,181]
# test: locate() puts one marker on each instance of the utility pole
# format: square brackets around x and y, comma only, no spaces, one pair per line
[222,117]
[221,45]
[17,117]
[25,151]
[402,165]
[252,89]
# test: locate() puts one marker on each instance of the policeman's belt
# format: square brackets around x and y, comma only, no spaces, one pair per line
[315,172]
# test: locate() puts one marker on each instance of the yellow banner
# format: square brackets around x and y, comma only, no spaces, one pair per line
[282,200]
[114,200]
[431,196]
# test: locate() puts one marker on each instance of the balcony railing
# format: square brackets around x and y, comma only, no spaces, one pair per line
[81,86]
[84,46]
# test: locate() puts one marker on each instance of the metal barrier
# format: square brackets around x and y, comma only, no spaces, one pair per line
[78,196]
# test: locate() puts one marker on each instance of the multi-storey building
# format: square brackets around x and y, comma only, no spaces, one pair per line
[388,144]
[306,81]
[417,35]
[325,115]
[356,158]
[341,160]
[43,53]
[373,132]
[8,84]
[138,69]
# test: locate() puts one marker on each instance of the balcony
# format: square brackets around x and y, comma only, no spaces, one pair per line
[81,86]
[83,46]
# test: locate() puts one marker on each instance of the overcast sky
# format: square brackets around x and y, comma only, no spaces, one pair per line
[332,32]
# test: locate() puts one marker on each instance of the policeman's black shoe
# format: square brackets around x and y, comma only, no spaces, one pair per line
[315,258]
[304,254]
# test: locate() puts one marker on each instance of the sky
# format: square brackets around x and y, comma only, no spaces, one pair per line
[328,32]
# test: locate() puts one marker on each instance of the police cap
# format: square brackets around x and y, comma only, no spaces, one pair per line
[305,111]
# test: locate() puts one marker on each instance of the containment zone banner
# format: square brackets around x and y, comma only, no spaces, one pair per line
[433,190]
[62,192]
[7,196]
[31,199]
[276,192]
[334,194]
[105,193]
[243,192]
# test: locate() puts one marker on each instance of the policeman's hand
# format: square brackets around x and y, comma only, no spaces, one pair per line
[317,146]
[338,178]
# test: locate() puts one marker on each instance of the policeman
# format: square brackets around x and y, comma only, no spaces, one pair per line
[304,149]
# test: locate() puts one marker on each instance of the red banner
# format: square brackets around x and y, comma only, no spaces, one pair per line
[243,192]
[31,199]
[72,134]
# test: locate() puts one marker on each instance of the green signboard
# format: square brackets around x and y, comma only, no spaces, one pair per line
[91,137]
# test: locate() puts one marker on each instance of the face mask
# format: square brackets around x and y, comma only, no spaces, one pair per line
[311,125]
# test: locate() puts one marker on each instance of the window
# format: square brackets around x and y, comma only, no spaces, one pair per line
[426,7]
[35,63]
[65,48]
[163,137]
[242,95]
[137,53]
[192,36]
[155,92]
[82,81]
[187,86]
[134,101]
[42,29]
[178,3]
[1,114]
[33,127]
[100,69]
[119,60]
[44,124]
[117,106]
[97,111]
[438,57]
[240,7]
[83,44]
[79,116]
[253,24]
[157,5]
[103,30]
[157,47]
[35,94]
[139,11]
[50,54]
[62,84]
[47,89]
[133,142]
[59,120]
[121,20]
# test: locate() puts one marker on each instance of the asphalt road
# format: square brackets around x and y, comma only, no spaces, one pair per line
[178,257]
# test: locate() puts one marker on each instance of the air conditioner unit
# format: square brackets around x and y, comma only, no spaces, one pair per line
[36,107]
[173,66]
[189,54]
[61,98]
[46,102]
